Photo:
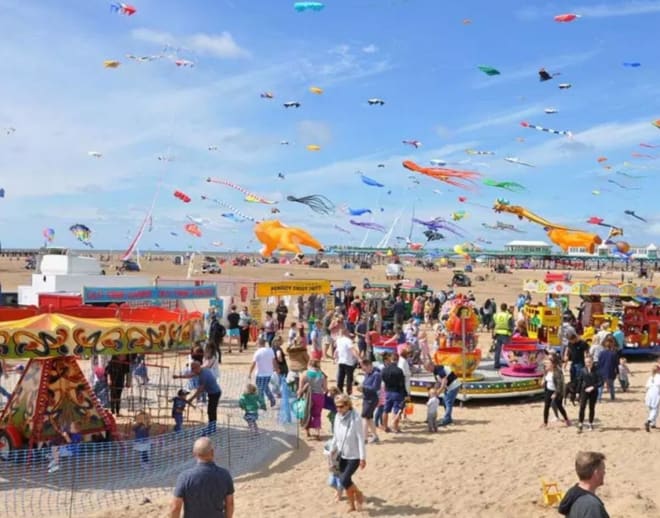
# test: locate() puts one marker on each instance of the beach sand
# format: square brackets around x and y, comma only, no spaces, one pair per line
[489,464]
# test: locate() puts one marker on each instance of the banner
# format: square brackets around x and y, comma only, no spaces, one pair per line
[278,289]
[117,295]
[255,310]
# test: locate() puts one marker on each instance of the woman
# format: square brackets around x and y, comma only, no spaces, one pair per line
[553,389]
[281,311]
[589,384]
[317,383]
[211,359]
[118,374]
[608,365]
[348,447]
[269,328]
[244,321]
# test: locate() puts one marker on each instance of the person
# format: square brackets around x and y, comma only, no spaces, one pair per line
[208,384]
[565,331]
[233,331]
[503,321]
[298,361]
[589,383]
[608,365]
[266,365]
[553,384]
[652,398]
[269,327]
[403,364]
[432,406]
[211,359]
[142,431]
[4,373]
[398,311]
[280,358]
[619,336]
[292,337]
[347,358]
[329,404]
[624,374]
[317,383]
[315,341]
[206,490]
[449,384]
[361,334]
[574,355]
[118,373]
[281,311]
[179,403]
[66,435]
[581,501]
[370,388]
[250,403]
[347,446]
[217,334]
[244,322]
[395,392]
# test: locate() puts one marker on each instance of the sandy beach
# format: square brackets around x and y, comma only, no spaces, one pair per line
[488,464]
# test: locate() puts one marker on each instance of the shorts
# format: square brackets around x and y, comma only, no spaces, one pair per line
[234,332]
[393,402]
[368,408]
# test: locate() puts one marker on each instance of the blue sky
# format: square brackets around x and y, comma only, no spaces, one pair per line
[417,55]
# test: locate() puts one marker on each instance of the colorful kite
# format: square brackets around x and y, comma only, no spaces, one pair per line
[48,234]
[121,8]
[517,161]
[458,215]
[193,229]
[525,124]
[357,212]
[437,162]
[317,202]
[82,234]
[649,146]
[568,17]
[550,111]
[230,207]
[414,143]
[369,181]
[440,224]
[316,90]
[445,175]
[275,236]
[182,196]
[479,152]
[369,225]
[249,196]
[341,229]
[509,186]
[313,147]
[433,235]
[489,71]
[291,104]
[564,86]
[111,63]
[628,175]
[623,186]
[634,215]
[656,123]
[308,6]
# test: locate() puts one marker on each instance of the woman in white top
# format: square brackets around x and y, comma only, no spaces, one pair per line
[405,367]
[347,356]
[652,398]
[348,446]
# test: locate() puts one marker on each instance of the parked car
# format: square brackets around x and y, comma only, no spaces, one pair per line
[501,268]
[211,268]
[460,280]
[30,263]
[129,266]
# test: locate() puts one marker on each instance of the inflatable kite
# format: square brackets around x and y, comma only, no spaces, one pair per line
[358,212]
[509,186]
[489,71]
[316,90]
[82,233]
[369,181]
[438,224]
[568,17]
[111,63]
[275,236]
[445,175]
[656,123]
[308,6]
[182,196]
[249,196]
[317,202]
[517,161]
[547,130]
[193,229]
[266,95]
[313,147]
[433,235]
[48,234]
[121,8]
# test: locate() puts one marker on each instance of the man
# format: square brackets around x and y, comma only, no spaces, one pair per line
[281,311]
[205,491]
[208,384]
[565,331]
[574,356]
[448,383]
[395,392]
[234,331]
[398,311]
[581,501]
[370,389]
[347,358]
[619,336]
[503,321]
[217,334]
[266,364]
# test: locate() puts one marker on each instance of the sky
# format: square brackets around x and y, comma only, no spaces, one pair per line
[420,56]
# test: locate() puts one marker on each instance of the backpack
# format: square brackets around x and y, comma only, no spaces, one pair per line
[217,331]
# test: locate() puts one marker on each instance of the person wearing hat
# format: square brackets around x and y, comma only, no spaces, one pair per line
[178,407]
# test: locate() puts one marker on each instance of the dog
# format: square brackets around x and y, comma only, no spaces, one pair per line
[570,392]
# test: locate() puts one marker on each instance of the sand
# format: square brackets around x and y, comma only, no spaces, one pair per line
[489,464]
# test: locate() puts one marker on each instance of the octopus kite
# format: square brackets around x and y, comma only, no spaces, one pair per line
[444,175]
[275,236]
[317,202]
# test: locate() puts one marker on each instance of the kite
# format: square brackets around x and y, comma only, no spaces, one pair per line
[281,176]
[550,111]
[199,221]
[217,244]
[489,71]
[284,142]
[516,160]
[525,124]
[232,217]
[9,130]
[230,207]
[308,6]
[595,220]
[142,59]
[316,90]
[369,181]
[359,212]
[463,199]
[291,104]
[49,235]
[445,175]
[568,17]
[544,75]
[249,196]
[649,146]
[502,226]
[274,210]
[484,241]
[212,148]
[458,215]
[317,202]
[369,225]
[632,64]
[174,234]
[437,162]
[656,123]
[266,95]
[341,229]
[82,233]
[478,152]
[628,175]
[642,155]
[313,147]
[433,235]
[121,8]
[186,63]
[193,229]
[275,236]
[111,63]
[439,223]
[381,165]
[182,196]
[509,186]
[601,159]
[565,86]
[632,213]
[374,101]
[623,186]
[95,154]
[595,192]
[414,143]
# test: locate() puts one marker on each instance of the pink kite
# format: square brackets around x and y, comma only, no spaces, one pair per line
[568,17]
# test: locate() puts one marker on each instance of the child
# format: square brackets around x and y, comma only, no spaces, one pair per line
[140,371]
[178,406]
[652,398]
[624,374]
[432,410]
[293,334]
[100,388]
[250,403]
[142,429]
[329,405]
[63,444]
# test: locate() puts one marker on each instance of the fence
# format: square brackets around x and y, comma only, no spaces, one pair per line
[93,476]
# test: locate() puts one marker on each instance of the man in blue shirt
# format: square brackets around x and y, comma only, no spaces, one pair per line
[208,384]
[205,491]
[619,336]
[370,389]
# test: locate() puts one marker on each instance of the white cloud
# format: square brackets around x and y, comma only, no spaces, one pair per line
[220,45]
[621,9]
[370,49]
[502,119]
[314,132]
[344,65]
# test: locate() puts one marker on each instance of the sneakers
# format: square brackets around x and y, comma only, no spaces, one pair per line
[590,427]
[579,428]
[647,426]
[52,468]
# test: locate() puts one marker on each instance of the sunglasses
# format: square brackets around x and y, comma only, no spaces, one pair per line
[340,406]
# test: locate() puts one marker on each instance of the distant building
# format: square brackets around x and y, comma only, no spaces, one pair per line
[528,247]
[636,252]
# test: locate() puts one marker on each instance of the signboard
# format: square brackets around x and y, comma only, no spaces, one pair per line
[279,289]
[329,302]
[255,310]
[591,288]
[155,293]
[218,305]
